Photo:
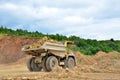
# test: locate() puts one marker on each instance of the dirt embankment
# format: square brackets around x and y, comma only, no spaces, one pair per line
[98,67]
[10,51]
[102,66]
[10,48]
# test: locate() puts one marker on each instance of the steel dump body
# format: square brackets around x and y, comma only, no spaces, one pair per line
[57,49]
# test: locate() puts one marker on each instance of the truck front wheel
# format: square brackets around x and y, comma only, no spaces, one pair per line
[70,63]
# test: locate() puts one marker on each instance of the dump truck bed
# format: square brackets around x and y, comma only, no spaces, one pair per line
[57,49]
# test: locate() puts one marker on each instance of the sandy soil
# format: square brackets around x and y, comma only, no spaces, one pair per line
[102,66]
[106,69]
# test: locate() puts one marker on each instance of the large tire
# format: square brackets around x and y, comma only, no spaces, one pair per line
[32,66]
[29,65]
[44,63]
[70,63]
[51,63]
[35,66]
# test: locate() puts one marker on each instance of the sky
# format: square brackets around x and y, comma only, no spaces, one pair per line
[89,19]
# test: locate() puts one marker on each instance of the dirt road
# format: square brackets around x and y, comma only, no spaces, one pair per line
[20,72]
[101,66]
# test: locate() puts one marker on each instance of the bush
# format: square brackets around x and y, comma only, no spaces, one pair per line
[88,47]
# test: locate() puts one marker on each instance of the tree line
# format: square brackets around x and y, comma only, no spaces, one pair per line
[86,46]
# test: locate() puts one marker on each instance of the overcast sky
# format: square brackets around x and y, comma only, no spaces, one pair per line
[93,19]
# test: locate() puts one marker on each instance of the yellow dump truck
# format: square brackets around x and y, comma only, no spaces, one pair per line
[49,55]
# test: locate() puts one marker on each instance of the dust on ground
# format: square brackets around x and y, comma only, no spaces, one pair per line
[89,68]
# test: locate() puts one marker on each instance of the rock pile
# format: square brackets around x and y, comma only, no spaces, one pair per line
[40,42]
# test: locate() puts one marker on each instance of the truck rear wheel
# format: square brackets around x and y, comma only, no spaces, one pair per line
[32,66]
[44,63]
[29,65]
[51,63]
[70,63]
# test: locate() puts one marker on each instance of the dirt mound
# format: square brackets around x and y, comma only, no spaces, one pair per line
[10,48]
[111,55]
[41,41]
[84,59]
[103,69]
[2,36]
[114,55]
[100,53]
[108,66]
[101,62]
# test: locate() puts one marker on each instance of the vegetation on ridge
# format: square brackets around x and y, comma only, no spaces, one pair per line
[86,46]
